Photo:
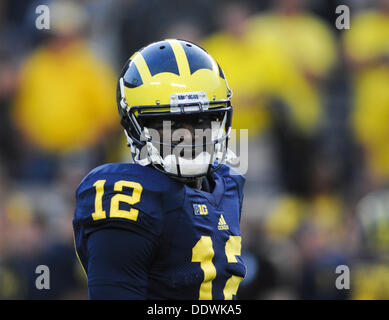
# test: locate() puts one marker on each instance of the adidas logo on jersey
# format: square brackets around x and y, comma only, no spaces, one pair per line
[222,225]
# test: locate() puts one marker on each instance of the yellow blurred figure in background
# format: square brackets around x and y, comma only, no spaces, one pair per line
[281,54]
[367,48]
[308,45]
[240,63]
[371,282]
[306,39]
[66,94]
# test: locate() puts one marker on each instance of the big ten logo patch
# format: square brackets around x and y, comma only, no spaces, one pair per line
[200,209]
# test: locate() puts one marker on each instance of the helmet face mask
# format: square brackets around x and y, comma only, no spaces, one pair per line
[178,129]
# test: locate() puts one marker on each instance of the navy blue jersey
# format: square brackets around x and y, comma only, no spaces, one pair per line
[140,232]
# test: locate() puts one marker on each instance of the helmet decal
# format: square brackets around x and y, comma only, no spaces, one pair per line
[132,78]
[159,58]
[197,57]
[221,73]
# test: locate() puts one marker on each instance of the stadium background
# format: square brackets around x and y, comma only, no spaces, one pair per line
[314,98]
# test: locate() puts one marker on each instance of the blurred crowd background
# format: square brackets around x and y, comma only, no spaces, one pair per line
[314,98]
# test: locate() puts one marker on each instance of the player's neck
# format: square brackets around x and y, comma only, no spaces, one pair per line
[204,183]
[192,183]
[195,184]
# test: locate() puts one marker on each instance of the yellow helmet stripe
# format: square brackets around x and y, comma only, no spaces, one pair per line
[133,56]
[182,61]
[143,69]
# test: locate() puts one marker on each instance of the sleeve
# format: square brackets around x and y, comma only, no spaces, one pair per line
[117,200]
[118,264]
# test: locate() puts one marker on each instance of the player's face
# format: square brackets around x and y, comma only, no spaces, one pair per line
[189,135]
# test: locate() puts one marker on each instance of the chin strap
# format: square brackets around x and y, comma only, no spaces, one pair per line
[153,156]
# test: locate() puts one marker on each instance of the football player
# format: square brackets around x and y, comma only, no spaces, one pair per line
[166,226]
